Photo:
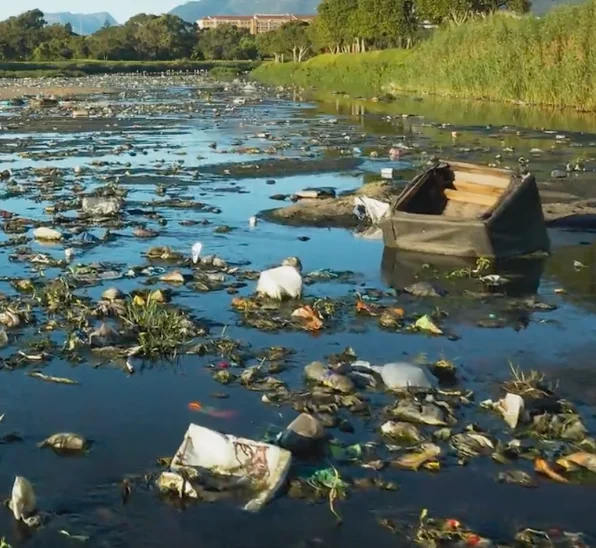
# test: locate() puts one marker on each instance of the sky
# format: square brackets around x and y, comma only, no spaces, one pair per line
[121,10]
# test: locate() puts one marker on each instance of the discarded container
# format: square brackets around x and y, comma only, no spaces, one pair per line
[266,466]
[302,434]
[401,375]
[282,282]
[388,173]
[468,210]
[93,205]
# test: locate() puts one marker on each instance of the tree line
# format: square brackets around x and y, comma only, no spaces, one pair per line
[341,26]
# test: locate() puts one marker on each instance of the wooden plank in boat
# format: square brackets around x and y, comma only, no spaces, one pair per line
[469,198]
[475,168]
[501,182]
[475,188]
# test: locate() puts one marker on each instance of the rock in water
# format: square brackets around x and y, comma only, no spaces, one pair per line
[425,289]
[402,431]
[65,442]
[302,434]
[23,501]
[317,372]
[93,205]
[174,277]
[558,174]
[47,234]
[423,413]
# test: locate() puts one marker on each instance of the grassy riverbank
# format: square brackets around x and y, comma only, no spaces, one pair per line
[90,67]
[549,61]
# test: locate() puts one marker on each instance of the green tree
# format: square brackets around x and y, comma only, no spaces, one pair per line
[338,23]
[113,43]
[387,23]
[269,45]
[161,38]
[458,11]
[227,42]
[22,34]
[291,38]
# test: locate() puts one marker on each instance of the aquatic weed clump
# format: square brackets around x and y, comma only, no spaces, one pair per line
[159,328]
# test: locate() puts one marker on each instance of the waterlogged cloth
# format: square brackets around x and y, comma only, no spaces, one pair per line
[266,465]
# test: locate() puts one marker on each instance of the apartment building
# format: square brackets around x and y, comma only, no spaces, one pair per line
[255,24]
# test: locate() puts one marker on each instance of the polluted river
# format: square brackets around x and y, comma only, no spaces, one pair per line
[136,222]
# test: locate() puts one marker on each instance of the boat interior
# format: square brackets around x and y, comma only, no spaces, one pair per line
[458,190]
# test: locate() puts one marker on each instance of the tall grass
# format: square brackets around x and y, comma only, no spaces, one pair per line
[547,61]
[355,73]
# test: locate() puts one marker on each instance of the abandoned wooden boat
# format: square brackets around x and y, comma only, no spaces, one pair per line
[468,210]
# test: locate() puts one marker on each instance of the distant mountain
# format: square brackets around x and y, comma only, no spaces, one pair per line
[192,11]
[82,23]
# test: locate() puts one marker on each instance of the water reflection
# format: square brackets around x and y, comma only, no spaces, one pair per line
[469,112]
[402,268]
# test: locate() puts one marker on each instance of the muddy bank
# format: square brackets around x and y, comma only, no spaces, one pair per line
[338,212]
[17,91]
[329,212]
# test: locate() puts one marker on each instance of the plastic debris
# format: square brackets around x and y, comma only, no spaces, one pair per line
[266,466]
[196,252]
[400,375]
[512,408]
[96,206]
[426,324]
[282,282]
[44,233]
[375,210]
[23,502]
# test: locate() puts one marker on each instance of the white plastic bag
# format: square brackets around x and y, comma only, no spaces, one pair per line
[23,501]
[401,375]
[281,282]
[196,252]
[266,465]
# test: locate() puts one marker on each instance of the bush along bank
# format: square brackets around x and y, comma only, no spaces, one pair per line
[549,61]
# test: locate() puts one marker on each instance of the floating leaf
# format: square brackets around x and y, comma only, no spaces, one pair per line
[363,308]
[49,378]
[541,466]
[581,459]
[413,461]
